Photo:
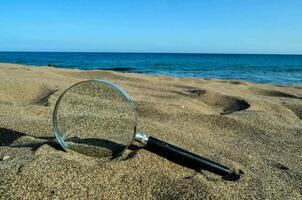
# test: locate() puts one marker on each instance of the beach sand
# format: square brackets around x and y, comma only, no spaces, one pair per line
[253,128]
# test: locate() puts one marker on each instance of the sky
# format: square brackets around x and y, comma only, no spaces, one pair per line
[182,26]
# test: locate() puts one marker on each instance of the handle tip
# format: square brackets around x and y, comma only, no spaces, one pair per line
[233,176]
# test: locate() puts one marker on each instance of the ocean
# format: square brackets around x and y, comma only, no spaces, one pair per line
[273,69]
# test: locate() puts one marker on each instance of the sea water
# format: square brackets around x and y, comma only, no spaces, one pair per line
[275,69]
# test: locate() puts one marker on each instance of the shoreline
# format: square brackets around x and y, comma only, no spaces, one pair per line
[298,86]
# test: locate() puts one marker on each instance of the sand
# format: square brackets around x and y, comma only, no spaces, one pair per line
[253,128]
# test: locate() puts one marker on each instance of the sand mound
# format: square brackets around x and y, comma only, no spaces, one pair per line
[219,102]
[255,129]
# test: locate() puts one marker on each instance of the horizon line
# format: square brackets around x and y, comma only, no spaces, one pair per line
[138,52]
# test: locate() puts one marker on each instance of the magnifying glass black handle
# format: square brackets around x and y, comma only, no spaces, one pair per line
[188,159]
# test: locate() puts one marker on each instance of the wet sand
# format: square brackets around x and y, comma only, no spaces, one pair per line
[252,128]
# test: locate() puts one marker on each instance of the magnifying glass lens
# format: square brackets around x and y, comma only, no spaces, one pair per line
[94,118]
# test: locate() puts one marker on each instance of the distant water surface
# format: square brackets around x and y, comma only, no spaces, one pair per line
[275,69]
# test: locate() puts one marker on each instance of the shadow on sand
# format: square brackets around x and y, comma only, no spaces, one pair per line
[94,147]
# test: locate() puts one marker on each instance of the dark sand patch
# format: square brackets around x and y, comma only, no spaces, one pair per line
[272,93]
[295,108]
[43,96]
[8,136]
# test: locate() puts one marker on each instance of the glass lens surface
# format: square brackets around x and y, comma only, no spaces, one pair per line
[95,118]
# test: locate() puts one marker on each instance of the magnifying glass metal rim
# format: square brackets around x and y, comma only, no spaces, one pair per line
[57,132]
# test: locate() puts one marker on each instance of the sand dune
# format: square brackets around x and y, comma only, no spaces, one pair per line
[254,128]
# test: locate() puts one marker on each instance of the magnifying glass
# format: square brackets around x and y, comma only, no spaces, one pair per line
[98,118]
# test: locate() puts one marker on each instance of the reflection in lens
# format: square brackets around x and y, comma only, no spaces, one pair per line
[95,119]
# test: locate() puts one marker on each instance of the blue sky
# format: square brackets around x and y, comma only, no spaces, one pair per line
[214,26]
